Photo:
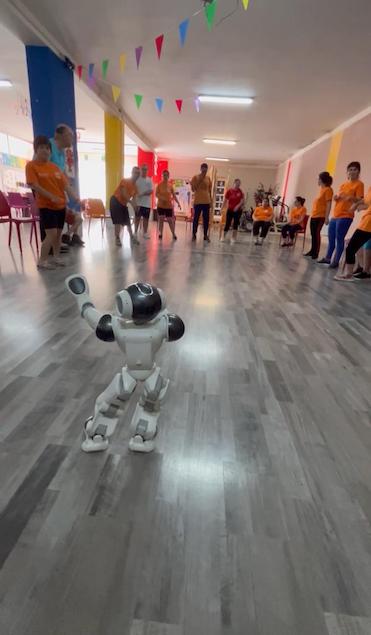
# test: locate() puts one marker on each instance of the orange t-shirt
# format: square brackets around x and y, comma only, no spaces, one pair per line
[296,215]
[131,190]
[353,189]
[365,223]
[325,195]
[165,193]
[202,190]
[263,213]
[51,178]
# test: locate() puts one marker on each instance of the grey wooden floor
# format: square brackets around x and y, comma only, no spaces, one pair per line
[253,515]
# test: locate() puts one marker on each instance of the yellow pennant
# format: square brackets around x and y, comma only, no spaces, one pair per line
[122,62]
[116,92]
[245,4]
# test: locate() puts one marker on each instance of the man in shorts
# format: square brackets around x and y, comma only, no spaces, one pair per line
[125,192]
[143,202]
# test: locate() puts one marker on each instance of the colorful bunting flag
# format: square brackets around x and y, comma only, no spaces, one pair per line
[245,4]
[122,62]
[116,92]
[91,71]
[183,30]
[197,104]
[179,104]
[210,11]
[159,42]
[79,71]
[159,104]
[138,54]
[138,100]
[105,68]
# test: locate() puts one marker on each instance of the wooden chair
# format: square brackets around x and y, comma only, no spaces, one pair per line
[94,208]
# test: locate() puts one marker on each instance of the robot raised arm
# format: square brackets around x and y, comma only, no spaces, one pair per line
[78,286]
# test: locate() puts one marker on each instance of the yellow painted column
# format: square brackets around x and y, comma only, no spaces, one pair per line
[114,152]
[335,146]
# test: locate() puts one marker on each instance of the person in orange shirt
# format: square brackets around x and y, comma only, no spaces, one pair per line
[296,217]
[125,192]
[262,217]
[361,237]
[350,193]
[50,186]
[201,187]
[165,194]
[320,213]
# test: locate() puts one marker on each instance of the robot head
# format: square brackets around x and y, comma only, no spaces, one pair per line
[140,302]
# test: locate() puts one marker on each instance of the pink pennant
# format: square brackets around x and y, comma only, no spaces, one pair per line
[138,54]
[179,104]
[159,42]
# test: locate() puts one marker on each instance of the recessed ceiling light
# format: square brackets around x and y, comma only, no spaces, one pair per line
[5,83]
[216,159]
[222,142]
[234,101]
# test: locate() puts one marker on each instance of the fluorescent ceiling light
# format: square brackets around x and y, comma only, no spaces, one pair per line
[215,159]
[5,83]
[234,101]
[222,142]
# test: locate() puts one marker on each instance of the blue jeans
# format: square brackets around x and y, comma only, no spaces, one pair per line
[337,231]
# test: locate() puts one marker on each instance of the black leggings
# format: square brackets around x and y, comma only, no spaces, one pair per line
[316,225]
[357,241]
[235,216]
[291,230]
[263,225]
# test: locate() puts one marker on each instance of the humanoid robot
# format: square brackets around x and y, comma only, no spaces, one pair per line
[140,328]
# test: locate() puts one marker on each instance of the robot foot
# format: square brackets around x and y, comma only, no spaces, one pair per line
[138,444]
[96,443]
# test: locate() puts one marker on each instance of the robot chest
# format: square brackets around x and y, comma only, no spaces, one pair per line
[139,351]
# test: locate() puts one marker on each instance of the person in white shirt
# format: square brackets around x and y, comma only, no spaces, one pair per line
[143,200]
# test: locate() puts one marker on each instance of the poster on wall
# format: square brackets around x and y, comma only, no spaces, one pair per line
[70,163]
[183,191]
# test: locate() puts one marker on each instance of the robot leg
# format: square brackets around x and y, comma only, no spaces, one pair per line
[108,405]
[143,426]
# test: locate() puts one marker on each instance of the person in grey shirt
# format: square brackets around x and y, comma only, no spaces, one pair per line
[143,200]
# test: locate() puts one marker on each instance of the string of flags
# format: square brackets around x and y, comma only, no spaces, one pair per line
[210,11]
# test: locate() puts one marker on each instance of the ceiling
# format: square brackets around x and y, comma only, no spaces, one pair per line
[306,63]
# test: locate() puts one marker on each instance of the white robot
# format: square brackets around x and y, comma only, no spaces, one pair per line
[141,327]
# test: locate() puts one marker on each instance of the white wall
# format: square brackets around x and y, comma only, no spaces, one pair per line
[250,176]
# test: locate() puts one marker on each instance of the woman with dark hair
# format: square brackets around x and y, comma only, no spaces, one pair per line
[320,213]
[350,194]
[296,217]
[360,238]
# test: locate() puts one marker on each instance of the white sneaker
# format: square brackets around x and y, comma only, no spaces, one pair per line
[118,242]
[135,241]
[222,240]
[146,236]
[233,241]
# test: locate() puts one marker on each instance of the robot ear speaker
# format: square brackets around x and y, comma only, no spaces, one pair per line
[124,304]
[176,327]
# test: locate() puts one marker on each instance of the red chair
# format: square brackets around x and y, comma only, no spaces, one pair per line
[20,204]
[19,220]
[5,215]
[36,217]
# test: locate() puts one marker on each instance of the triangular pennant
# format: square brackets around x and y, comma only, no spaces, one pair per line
[210,11]
[159,104]
[79,71]
[183,30]
[159,42]
[179,104]
[116,92]
[91,71]
[138,54]
[197,104]
[138,100]
[245,4]
[105,68]
[122,62]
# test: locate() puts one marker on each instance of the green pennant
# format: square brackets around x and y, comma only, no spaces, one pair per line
[210,11]
[105,68]
[138,100]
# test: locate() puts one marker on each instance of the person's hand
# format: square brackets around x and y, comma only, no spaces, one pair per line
[57,200]
[327,221]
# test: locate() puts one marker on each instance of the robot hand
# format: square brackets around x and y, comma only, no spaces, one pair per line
[78,286]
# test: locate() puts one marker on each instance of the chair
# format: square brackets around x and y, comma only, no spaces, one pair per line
[5,215]
[302,230]
[36,216]
[94,208]
[189,219]
[25,220]
[20,204]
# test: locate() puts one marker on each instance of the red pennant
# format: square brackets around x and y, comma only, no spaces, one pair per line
[79,71]
[159,42]
[179,104]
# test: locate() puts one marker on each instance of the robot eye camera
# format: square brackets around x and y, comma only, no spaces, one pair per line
[140,302]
